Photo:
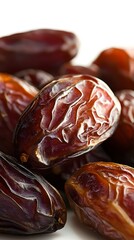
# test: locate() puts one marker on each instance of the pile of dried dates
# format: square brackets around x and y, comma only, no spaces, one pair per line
[66,135]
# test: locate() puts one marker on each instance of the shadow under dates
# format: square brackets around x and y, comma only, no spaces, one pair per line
[73,229]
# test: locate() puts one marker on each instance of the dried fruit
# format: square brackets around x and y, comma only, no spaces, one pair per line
[28,203]
[15,95]
[44,49]
[68,117]
[77,69]
[37,78]
[116,68]
[122,141]
[101,194]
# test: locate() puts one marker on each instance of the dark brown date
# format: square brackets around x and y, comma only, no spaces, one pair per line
[121,143]
[70,116]
[44,49]
[28,203]
[58,174]
[101,195]
[116,68]
[36,77]
[65,170]
[15,95]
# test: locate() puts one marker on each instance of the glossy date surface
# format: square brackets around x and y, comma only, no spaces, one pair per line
[28,203]
[68,117]
[44,49]
[15,95]
[121,144]
[101,194]
[116,68]
[38,78]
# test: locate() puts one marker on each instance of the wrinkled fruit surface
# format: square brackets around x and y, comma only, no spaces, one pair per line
[122,141]
[101,194]
[36,77]
[28,203]
[15,95]
[68,117]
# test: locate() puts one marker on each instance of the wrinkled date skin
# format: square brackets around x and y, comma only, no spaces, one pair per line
[68,168]
[68,117]
[58,174]
[15,95]
[122,141]
[101,194]
[28,203]
[116,68]
[38,78]
[44,49]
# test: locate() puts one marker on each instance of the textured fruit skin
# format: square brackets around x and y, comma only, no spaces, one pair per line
[101,195]
[122,141]
[116,68]
[28,203]
[15,95]
[36,77]
[68,117]
[45,49]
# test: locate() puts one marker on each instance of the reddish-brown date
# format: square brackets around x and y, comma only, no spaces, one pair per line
[58,174]
[121,143]
[116,68]
[15,95]
[70,116]
[101,195]
[28,203]
[77,69]
[44,49]
[66,169]
[36,77]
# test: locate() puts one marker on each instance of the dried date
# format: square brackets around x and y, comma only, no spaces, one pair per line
[28,203]
[70,116]
[101,195]
[44,49]
[122,141]
[78,69]
[36,77]
[15,95]
[116,68]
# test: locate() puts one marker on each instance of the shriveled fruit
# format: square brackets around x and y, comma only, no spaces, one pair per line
[78,69]
[28,203]
[121,144]
[116,68]
[101,194]
[45,49]
[36,77]
[15,95]
[68,117]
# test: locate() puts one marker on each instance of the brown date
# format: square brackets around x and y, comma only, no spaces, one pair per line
[68,117]
[77,69]
[15,95]
[44,49]
[68,168]
[121,143]
[28,203]
[101,195]
[58,174]
[36,77]
[116,68]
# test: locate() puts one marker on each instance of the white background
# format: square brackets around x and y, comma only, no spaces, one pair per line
[98,25]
